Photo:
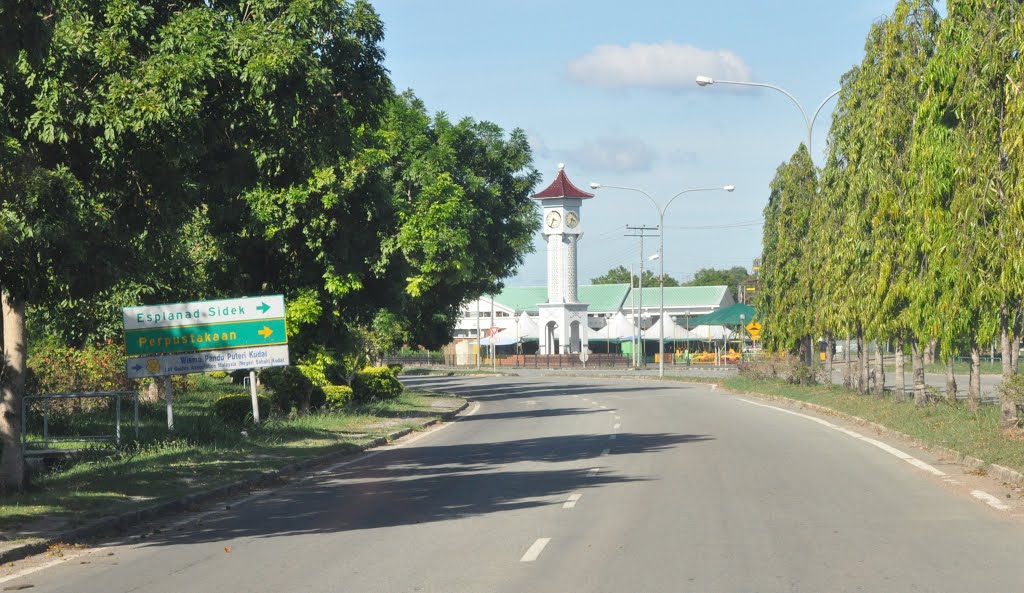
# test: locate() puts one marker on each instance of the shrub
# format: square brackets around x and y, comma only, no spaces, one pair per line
[236,408]
[374,384]
[288,386]
[59,369]
[97,367]
[396,369]
[338,397]
[322,368]
[218,375]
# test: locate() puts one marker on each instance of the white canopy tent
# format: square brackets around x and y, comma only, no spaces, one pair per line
[710,333]
[673,331]
[619,327]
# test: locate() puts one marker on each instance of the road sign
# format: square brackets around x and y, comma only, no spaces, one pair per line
[584,354]
[198,338]
[754,328]
[204,362]
[204,312]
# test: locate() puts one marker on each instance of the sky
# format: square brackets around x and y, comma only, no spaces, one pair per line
[608,89]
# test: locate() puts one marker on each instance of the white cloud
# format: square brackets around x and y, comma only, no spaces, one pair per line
[615,154]
[665,65]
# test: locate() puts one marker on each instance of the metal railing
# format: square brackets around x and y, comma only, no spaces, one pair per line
[48,397]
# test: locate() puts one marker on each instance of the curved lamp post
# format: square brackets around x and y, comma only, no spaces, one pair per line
[808,121]
[661,253]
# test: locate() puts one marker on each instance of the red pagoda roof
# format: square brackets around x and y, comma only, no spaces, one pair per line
[561,187]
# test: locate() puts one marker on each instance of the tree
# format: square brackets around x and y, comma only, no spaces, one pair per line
[864,278]
[139,112]
[735,278]
[785,301]
[621,275]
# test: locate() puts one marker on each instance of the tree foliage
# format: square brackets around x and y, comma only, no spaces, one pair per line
[154,152]
[621,275]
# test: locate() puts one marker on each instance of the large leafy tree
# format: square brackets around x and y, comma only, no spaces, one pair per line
[867,184]
[463,217]
[622,275]
[735,278]
[965,174]
[784,303]
[123,118]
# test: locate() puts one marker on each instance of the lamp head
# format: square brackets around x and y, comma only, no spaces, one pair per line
[705,80]
[595,185]
[729,188]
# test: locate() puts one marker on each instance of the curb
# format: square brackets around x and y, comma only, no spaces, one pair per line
[119,523]
[1005,474]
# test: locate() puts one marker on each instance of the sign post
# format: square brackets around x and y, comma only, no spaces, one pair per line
[204,336]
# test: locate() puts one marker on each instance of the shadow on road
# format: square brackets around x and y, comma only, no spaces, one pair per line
[427,484]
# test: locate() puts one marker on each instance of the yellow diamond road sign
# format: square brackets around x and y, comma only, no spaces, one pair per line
[755,330]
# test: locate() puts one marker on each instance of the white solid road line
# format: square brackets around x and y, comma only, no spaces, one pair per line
[890,450]
[571,502]
[535,550]
[990,500]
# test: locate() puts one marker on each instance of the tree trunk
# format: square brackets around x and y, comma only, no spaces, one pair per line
[950,379]
[974,386]
[12,388]
[862,364]
[900,386]
[1015,355]
[847,368]
[879,371]
[917,362]
[933,347]
[828,357]
[1004,346]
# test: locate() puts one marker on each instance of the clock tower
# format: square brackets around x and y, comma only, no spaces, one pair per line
[563,319]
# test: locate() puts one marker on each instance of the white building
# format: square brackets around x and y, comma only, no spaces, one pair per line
[563,318]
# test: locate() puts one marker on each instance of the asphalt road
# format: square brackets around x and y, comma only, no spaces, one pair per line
[585,485]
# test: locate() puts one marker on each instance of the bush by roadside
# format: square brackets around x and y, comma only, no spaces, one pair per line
[375,384]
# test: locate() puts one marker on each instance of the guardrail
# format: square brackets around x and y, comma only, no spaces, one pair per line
[46,398]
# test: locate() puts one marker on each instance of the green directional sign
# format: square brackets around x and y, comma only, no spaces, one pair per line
[197,338]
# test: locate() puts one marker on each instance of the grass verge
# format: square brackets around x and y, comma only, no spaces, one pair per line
[940,423]
[202,453]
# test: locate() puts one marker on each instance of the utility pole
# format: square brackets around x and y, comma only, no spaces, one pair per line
[642,230]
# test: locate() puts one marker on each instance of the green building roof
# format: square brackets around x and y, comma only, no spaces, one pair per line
[685,296]
[606,298]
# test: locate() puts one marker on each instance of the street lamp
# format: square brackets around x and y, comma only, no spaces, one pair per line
[808,121]
[661,253]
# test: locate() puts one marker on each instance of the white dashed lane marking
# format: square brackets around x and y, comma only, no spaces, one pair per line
[605,452]
[572,500]
[534,552]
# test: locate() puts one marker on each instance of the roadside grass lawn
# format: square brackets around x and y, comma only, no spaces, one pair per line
[202,452]
[940,423]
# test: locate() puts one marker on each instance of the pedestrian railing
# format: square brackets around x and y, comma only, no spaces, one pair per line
[47,438]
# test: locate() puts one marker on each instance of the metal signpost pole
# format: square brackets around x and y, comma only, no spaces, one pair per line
[167,396]
[255,398]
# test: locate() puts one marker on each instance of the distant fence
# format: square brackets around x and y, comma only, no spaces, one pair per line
[545,361]
[45,399]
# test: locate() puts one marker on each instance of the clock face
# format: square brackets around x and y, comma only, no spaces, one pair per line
[571,220]
[553,219]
